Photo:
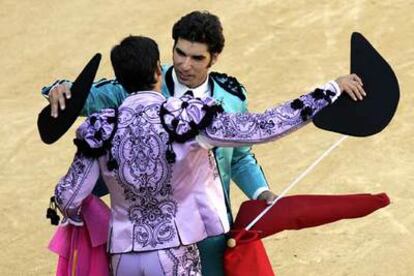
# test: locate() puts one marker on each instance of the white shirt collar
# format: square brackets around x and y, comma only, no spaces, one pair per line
[201,91]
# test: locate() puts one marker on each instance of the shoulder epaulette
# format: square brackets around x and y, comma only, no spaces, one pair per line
[229,83]
[104,81]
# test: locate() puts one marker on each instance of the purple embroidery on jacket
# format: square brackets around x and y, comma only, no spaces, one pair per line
[183,260]
[72,181]
[183,117]
[97,128]
[274,122]
[184,111]
[139,147]
[152,222]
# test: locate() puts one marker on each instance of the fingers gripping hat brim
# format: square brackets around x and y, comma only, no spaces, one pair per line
[374,113]
[51,129]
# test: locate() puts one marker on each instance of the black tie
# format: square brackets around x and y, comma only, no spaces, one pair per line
[189,92]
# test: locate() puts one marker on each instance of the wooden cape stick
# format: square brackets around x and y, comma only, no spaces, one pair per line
[232,242]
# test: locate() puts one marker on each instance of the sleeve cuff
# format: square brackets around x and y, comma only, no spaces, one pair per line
[259,191]
[333,86]
[203,142]
[45,90]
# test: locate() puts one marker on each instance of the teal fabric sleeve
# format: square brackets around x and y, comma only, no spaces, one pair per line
[246,172]
[46,89]
[103,94]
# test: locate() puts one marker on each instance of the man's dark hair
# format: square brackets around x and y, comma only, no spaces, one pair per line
[135,61]
[202,27]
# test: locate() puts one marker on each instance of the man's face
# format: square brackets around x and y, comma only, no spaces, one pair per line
[192,61]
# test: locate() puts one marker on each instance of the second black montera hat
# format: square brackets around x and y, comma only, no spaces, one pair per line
[373,114]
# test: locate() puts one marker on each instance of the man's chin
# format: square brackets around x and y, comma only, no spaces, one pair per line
[186,82]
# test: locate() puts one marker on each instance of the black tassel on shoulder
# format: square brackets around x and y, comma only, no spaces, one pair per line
[51,212]
[170,154]
[112,164]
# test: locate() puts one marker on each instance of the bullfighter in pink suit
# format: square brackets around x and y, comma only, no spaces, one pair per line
[154,156]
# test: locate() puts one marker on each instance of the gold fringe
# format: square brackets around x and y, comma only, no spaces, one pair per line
[74,262]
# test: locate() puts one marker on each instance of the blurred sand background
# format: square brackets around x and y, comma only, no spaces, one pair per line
[278,50]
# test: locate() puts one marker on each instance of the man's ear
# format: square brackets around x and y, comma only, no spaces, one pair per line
[214,58]
[158,71]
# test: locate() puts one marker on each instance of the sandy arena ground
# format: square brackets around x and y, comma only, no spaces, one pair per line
[277,51]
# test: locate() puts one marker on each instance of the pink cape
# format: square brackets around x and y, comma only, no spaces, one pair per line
[82,250]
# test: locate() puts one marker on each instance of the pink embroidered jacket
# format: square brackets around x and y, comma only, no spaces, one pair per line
[153,154]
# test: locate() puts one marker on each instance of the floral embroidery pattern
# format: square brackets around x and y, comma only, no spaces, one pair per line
[97,128]
[139,147]
[72,181]
[277,121]
[181,261]
[183,117]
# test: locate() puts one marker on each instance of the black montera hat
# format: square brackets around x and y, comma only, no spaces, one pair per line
[51,129]
[372,115]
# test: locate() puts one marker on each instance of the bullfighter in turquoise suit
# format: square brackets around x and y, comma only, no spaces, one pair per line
[195,51]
